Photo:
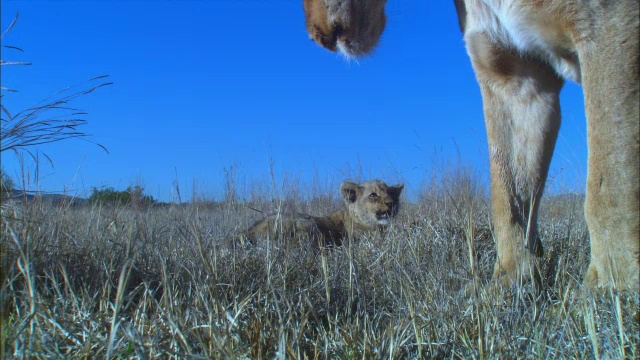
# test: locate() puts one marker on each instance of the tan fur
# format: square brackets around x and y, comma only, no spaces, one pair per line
[521,51]
[353,27]
[369,206]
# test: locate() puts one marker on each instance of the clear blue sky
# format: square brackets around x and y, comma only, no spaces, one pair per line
[200,86]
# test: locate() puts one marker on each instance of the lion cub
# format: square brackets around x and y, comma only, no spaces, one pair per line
[369,206]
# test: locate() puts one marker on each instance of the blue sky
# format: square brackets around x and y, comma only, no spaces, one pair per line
[203,86]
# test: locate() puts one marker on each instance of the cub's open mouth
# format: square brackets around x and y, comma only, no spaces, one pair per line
[383,215]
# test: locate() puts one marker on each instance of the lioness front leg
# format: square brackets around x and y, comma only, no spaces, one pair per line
[609,59]
[522,116]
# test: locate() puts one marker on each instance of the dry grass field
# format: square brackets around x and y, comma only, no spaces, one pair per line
[97,281]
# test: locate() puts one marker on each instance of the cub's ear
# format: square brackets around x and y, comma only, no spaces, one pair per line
[350,191]
[395,190]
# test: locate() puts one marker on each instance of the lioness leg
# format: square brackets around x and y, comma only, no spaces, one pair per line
[609,59]
[522,116]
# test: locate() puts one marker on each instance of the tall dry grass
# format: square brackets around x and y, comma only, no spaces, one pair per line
[96,281]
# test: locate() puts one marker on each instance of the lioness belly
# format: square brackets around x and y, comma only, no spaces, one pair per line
[545,31]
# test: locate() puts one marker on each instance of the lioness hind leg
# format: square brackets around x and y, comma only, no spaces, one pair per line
[522,116]
[609,59]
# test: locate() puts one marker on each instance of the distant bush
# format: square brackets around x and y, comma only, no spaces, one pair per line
[6,184]
[133,195]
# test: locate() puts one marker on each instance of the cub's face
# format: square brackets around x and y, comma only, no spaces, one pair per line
[352,27]
[371,203]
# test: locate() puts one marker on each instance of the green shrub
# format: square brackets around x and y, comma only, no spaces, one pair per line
[133,195]
[6,184]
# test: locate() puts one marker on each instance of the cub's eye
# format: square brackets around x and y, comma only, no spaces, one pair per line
[373,196]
